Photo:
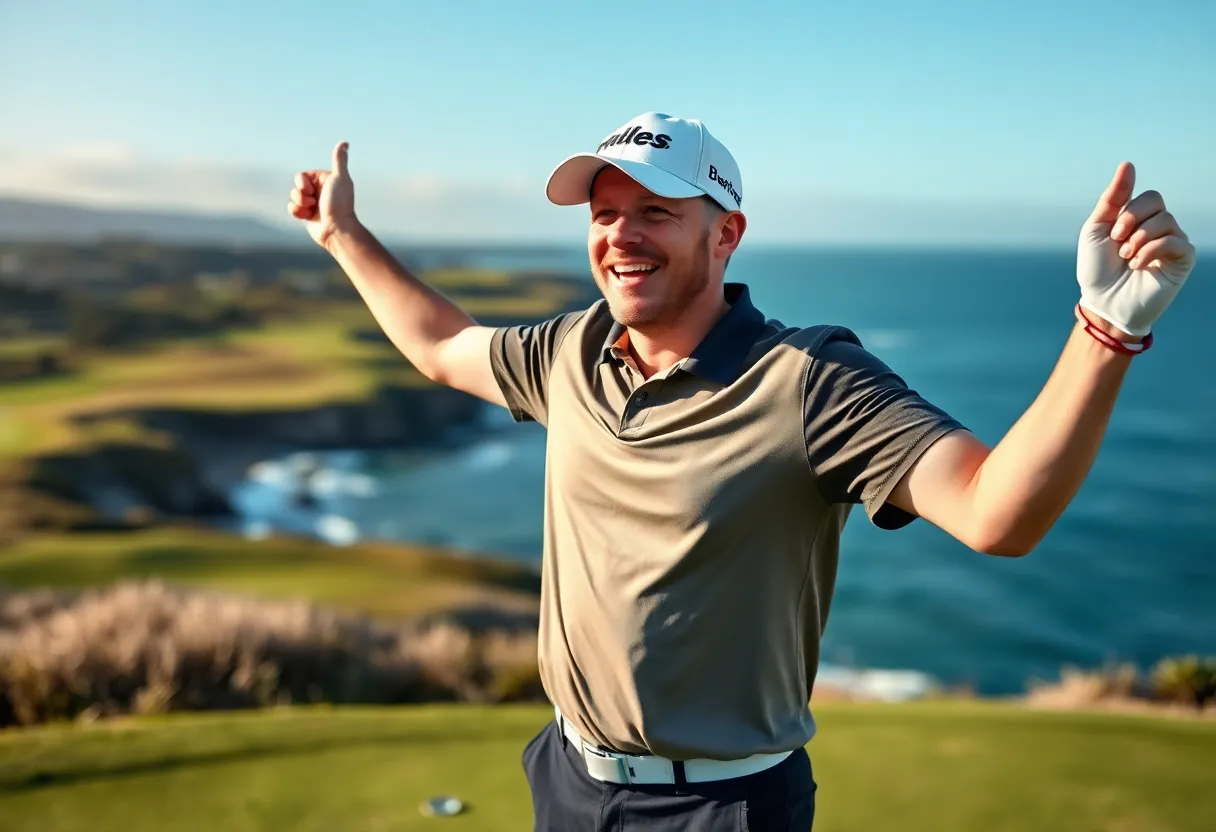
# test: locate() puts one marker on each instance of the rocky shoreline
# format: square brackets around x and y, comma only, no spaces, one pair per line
[200,455]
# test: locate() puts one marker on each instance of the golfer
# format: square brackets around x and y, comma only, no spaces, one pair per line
[702,459]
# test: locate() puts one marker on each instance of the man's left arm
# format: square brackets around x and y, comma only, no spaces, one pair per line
[1132,260]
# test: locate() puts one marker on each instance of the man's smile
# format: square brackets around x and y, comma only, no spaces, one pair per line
[631,274]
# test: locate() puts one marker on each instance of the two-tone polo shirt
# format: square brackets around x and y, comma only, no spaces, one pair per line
[692,520]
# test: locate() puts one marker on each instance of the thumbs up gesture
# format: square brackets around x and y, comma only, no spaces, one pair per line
[1132,257]
[325,199]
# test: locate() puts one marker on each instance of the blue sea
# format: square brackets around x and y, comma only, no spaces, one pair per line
[1127,574]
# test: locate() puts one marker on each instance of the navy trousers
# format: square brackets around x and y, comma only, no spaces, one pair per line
[565,798]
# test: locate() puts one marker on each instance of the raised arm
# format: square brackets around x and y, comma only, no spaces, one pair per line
[444,343]
[1132,260]
[1003,501]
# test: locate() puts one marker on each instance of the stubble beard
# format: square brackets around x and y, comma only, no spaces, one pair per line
[681,291]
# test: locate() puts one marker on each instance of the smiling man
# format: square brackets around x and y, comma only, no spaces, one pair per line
[703,459]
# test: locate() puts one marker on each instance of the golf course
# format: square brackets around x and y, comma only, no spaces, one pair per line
[926,766]
[950,764]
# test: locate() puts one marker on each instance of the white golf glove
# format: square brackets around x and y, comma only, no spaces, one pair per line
[1132,258]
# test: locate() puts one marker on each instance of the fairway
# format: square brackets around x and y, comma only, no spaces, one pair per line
[929,766]
[303,360]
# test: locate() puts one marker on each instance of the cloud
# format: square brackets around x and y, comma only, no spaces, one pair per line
[417,207]
[114,174]
[432,207]
[99,152]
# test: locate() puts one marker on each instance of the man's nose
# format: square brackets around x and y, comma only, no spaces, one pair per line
[625,232]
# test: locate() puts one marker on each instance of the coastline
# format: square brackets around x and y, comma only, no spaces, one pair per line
[160,427]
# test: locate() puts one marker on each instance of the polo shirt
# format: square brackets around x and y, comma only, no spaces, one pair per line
[692,520]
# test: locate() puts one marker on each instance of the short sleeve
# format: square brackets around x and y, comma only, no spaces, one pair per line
[521,358]
[865,427]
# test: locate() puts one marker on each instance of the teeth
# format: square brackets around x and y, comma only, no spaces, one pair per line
[632,269]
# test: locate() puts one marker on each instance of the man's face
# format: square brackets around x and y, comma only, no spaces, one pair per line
[650,255]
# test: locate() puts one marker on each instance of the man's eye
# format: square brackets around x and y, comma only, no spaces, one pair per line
[602,215]
[656,209]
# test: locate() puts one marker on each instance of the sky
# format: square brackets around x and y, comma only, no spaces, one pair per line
[863,122]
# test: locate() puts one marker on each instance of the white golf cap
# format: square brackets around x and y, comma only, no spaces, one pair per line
[672,157]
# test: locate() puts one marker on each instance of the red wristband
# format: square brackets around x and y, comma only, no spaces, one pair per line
[1110,341]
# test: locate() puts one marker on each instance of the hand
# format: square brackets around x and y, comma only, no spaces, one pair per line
[1132,257]
[324,199]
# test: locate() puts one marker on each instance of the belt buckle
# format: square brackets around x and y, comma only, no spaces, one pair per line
[608,765]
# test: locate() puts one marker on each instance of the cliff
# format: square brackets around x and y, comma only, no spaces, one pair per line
[184,460]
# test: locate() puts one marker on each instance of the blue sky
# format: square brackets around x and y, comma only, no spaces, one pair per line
[868,121]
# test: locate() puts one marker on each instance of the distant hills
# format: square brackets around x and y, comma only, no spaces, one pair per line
[854,222]
[23,220]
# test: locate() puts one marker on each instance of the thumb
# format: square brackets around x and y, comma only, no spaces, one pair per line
[340,158]
[1116,195]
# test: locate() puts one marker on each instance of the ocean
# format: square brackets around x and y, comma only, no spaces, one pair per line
[1128,573]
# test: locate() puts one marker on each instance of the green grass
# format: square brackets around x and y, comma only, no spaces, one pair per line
[298,364]
[30,345]
[932,766]
[304,362]
[378,578]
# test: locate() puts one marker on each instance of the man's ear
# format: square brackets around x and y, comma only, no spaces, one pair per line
[729,234]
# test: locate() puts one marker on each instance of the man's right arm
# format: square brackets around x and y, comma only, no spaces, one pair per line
[441,340]
[445,344]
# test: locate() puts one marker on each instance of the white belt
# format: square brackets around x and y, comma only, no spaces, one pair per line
[612,767]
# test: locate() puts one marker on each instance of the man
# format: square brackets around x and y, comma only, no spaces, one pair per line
[702,461]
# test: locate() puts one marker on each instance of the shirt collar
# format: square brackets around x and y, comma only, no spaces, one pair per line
[719,356]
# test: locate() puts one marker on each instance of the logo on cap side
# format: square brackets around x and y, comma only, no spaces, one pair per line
[725,183]
[636,135]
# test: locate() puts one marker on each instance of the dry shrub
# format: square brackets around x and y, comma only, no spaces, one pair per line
[20,608]
[151,648]
[1187,679]
[1080,688]
[1187,682]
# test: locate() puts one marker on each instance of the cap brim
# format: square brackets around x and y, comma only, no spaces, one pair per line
[570,182]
